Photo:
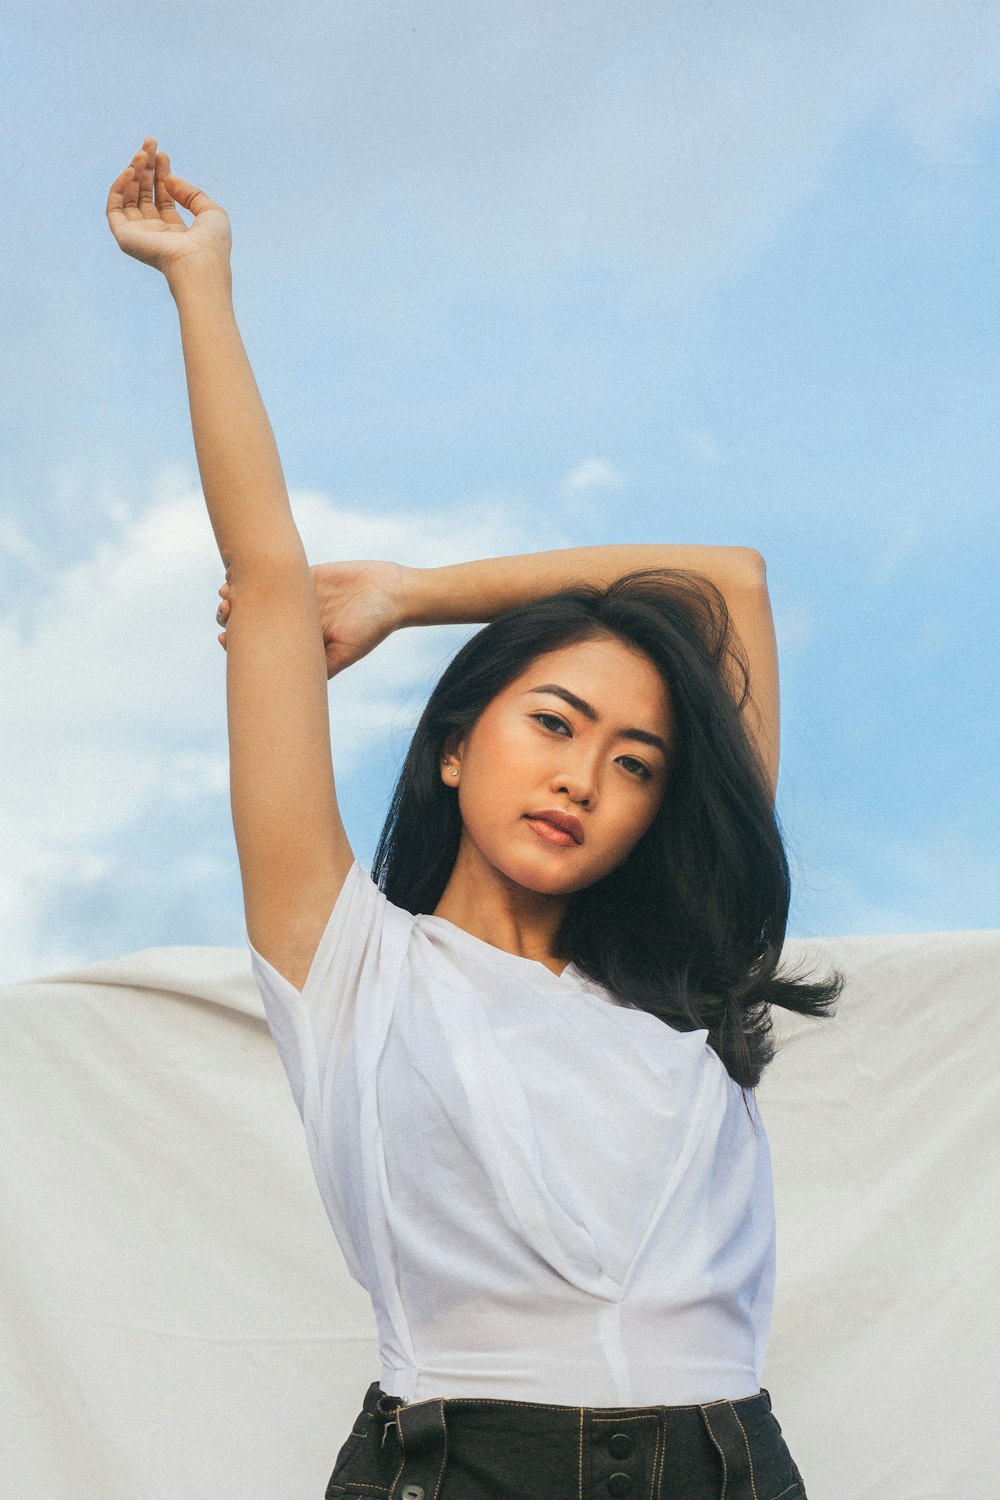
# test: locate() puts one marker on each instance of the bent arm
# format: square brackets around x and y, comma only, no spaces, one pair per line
[469,592]
[466,593]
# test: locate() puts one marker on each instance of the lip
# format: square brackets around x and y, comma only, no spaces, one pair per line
[566,821]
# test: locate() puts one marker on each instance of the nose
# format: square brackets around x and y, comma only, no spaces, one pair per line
[578,783]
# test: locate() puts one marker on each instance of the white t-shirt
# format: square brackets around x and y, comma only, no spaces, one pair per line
[548,1195]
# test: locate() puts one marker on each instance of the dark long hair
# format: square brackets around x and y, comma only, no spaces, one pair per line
[691,925]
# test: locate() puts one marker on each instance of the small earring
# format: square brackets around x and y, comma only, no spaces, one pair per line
[454,773]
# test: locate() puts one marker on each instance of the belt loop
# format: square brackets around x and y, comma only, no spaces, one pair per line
[730,1439]
[423,1436]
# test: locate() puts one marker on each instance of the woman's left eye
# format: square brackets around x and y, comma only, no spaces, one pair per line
[643,772]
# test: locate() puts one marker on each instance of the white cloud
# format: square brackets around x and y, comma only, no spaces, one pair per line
[705,449]
[593,474]
[114,693]
[15,542]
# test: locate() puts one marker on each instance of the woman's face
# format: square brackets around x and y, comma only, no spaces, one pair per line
[532,750]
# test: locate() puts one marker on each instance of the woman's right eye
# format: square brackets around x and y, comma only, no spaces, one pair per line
[553,719]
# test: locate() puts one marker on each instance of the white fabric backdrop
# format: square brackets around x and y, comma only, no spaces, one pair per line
[177,1323]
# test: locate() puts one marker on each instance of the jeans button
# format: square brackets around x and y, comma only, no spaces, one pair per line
[619,1484]
[620,1446]
[413,1492]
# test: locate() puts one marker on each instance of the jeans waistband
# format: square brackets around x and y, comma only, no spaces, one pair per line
[422,1433]
[377,1403]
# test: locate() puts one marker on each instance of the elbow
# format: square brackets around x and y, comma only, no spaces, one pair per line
[754,565]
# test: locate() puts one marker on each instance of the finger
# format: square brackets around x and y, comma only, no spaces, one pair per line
[164,200]
[187,195]
[145,198]
[115,207]
[131,191]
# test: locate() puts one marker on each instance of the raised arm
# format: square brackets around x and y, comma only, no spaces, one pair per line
[478,591]
[293,851]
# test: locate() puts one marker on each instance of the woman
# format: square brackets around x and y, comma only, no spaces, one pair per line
[525,1058]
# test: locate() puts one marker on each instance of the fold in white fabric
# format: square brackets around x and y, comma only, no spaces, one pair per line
[548,1195]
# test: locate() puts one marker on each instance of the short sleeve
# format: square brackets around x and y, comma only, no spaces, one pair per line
[351,983]
[330,1036]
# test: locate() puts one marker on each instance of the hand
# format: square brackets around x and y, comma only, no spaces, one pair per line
[155,233]
[360,603]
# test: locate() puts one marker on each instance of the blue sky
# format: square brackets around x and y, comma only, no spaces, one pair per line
[511,277]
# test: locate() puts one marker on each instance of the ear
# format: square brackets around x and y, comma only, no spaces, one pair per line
[451,759]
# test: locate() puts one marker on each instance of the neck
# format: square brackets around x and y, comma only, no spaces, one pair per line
[483,901]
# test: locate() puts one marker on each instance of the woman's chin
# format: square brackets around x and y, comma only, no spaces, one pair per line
[547,874]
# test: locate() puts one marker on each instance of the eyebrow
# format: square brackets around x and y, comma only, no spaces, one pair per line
[589,712]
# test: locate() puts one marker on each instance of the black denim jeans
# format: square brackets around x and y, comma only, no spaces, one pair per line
[464,1448]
